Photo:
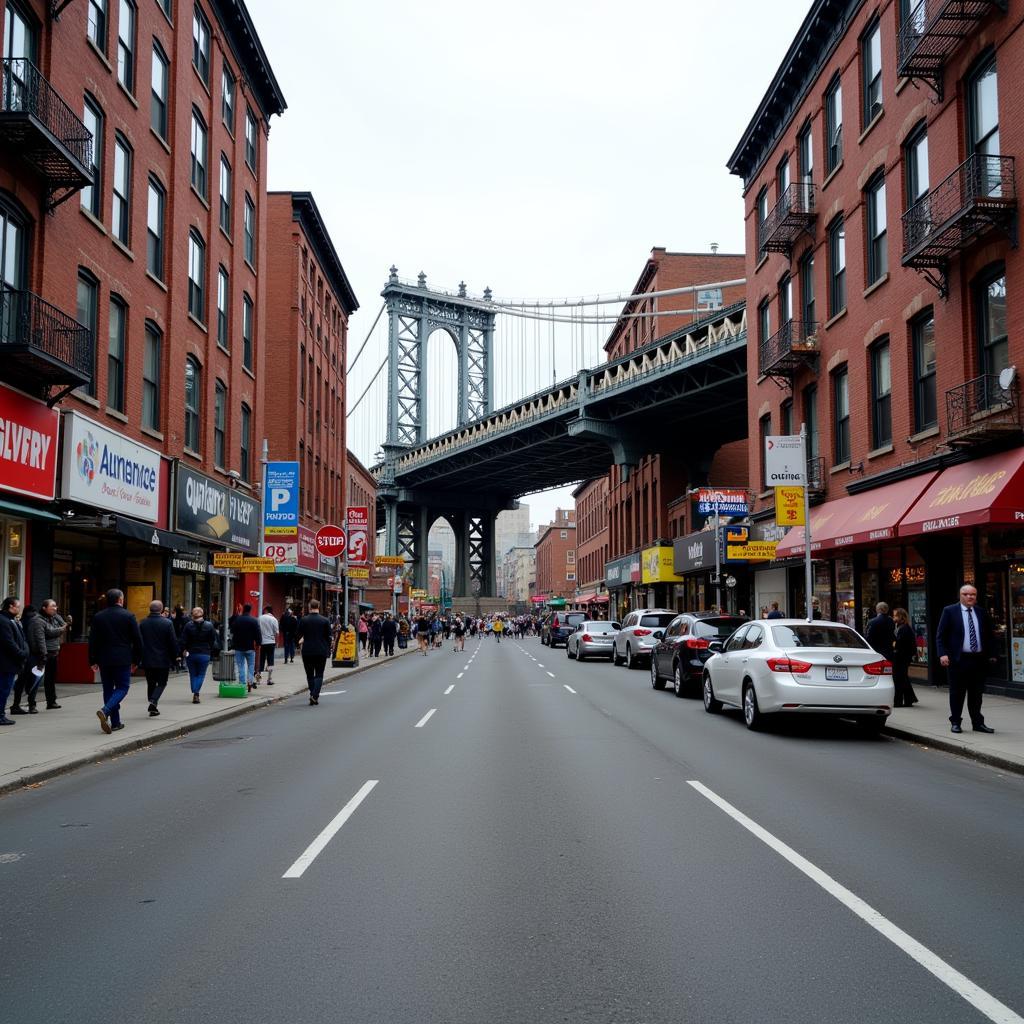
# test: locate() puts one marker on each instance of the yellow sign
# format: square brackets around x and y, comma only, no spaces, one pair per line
[418,594]
[355,573]
[388,560]
[789,506]
[346,646]
[753,551]
[656,566]
[281,531]
[228,559]
[253,564]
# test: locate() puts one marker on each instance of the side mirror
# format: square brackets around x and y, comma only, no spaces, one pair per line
[717,646]
[616,626]
[659,634]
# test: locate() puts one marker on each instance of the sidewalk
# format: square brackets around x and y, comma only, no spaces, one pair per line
[52,742]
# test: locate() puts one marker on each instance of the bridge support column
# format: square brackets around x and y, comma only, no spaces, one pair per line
[461,587]
[423,521]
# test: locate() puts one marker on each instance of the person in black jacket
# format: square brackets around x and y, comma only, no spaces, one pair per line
[388,632]
[13,652]
[159,652]
[198,645]
[115,648]
[881,632]
[315,639]
[904,652]
[966,645]
[289,628]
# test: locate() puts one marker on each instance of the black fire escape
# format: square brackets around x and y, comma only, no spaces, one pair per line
[792,215]
[789,350]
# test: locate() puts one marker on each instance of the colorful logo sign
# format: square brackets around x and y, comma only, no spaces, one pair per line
[85,457]
[281,500]
[726,502]
[358,520]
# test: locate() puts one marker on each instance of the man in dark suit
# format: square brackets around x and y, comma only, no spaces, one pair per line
[775,613]
[13,652]
[314,636]
[881,631]
[115,648]
[159,652]
[966,646]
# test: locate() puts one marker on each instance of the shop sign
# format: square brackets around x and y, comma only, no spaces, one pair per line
[768,531]
[281,499]
[345,651]
[308,557]
[328,565]
[357,518]
[726,502]
[107,470]
[417,594]
[187,563]
[784,461]
[358,574]
[752,551]
[254,564]
[613,573]
[215,513]
[28,445]
[633,570]
[789,506]
[693,552]
[227,559]
[398,560]
[283,550]
[658,566]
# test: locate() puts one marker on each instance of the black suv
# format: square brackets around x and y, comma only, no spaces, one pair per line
[683,648]
[557,626]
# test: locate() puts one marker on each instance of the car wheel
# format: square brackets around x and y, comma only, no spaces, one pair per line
[616,660]
[678,682]
[711,705]
[630,660]
[871,726]
[567,654]
[751,712]
[580,656]
[656,681]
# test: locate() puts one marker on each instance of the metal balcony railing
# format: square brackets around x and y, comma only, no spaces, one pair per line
[793,346]
[981,409]
[36,123]
[42,345]
[791,215]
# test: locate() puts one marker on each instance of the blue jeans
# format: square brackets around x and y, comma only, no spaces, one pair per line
[197,666]
[245,665]
[289,648]
[116,679]
[6,685]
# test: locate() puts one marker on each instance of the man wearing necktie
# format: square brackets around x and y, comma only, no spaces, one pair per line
[965,645]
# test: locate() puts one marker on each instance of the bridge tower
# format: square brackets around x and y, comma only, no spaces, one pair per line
[414,313]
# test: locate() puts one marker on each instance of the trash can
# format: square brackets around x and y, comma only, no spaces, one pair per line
[224,673]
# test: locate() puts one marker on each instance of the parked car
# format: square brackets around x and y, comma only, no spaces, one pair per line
[635,638]
[557,626]
[684,647]
[592,638]
[791,666]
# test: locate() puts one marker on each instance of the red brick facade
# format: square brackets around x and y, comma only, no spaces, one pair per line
[591,534]
[556,557]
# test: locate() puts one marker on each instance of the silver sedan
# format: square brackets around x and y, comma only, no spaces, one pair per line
[592,638]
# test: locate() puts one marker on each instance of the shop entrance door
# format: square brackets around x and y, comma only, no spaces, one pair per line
[992,597]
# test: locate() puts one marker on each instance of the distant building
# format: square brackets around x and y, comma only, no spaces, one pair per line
[556,556]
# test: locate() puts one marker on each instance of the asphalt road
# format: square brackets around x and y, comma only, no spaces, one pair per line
[526,854]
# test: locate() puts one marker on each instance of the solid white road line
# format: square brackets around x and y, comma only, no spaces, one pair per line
[331,693]
[426,718]
[460,675]
[991,1007]
[449,690]
[568,687]
[552,674]
[314,848]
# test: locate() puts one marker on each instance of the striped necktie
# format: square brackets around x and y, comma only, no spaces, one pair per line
[973,633]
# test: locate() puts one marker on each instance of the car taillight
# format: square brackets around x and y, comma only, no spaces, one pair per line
[554,622]
[879,668]
[641,632]
[789,665]
[695,644]
[586,638]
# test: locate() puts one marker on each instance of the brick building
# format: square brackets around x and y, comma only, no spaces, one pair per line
[591,542]
[556,556]
[309,302]
[133,201]
[373,593]
[880,199]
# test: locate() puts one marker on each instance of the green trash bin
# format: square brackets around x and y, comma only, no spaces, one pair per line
[225,675]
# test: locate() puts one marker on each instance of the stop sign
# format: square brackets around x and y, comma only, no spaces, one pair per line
[330,541]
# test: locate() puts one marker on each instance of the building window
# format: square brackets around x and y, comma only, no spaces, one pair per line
[805,154]
[922,332]
[871,72]
[785,300]
[92,193]
[992,328]
[841,414]
[87,314]
[223,303]
[764,321]
[199,154]
[764,428]
[807,287]
[196,277]
[247,317]
[159,79]
[811,421]
[915,159]
[782,177]
[155,230]
[227,98]
[201,44]
[244,446]
[762,216]
[165,6]
[220,412]
[151,378]
[837,266]
[786,417]
[878,246]
[833,125]
[251,144]
[193,391]
[115,354]
[983,124]
[96,24]
[881,395]
[121,205]
[126,45]
[225,194]
[249,228]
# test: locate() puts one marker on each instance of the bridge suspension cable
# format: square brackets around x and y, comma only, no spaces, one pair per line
[611,300]
[369,334]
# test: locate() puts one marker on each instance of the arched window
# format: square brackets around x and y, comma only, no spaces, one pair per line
[193,400]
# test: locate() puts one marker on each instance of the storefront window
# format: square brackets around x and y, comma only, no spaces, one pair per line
[14,557]
[823,589]
[992,597]
[845,611]
[1017,621]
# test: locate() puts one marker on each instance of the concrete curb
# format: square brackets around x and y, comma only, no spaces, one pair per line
[63,767]
[951,747]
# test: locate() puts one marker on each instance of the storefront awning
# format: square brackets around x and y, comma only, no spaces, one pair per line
[151,535]
[988,490]
[28,511]
[599,599]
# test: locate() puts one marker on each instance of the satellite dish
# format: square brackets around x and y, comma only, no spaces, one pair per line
[1007,377]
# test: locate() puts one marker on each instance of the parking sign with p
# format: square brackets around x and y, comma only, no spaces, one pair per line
[281,500]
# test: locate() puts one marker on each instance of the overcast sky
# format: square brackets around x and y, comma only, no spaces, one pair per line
[539,148]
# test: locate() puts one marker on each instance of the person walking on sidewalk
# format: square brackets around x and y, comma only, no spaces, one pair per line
[199,643]
[245,640]
[881,631]
[159,653]
[965,644]
[13,652]
[376,636]
[115,648]
[315,641]
[388,632]
[268,644]
[904,650]
[289,627]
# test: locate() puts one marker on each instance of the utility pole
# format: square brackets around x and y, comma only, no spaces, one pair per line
[264,458]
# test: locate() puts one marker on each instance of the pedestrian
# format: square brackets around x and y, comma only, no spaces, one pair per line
[180,621]
[364,631]
[460,635]
[315,641]
[499,628]
[964,640]
[44,633]
[403,633]
[289,627]
[115,648]
[199,643]
[904,652]
[159,652]
[269,627]
[13,652]
[775,613]
[245,641]
[388,632]
[422,632]
[881,632]
[376,636]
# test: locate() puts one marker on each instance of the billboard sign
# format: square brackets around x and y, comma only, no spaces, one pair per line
[357,518]
[784,463]
[28,445]
[207,509]
[725,501]
[281,500]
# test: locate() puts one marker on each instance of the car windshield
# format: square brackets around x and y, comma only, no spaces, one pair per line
[573,619]
[716,629]
[598,627]
[656,620]
[815,635]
